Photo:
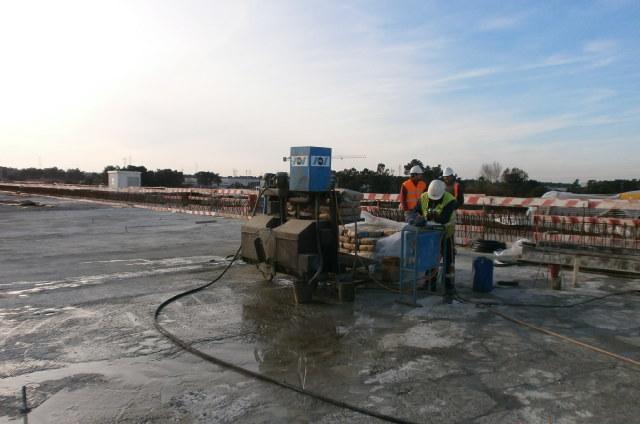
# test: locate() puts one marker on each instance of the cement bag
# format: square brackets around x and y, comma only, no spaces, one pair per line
[382,222]
[389,246]
[350,195]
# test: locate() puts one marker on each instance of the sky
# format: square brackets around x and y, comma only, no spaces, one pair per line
[549,87]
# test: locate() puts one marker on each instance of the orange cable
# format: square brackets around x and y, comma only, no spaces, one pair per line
[568,339]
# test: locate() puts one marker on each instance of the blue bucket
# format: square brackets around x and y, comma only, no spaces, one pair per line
[482,275]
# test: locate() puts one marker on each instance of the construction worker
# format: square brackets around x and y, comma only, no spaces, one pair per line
[454,185]
[411,190]
[438,205]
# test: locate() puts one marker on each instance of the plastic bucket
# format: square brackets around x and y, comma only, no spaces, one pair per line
[482,275]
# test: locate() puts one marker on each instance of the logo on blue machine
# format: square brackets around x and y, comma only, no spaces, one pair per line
[321,161]
[299,160]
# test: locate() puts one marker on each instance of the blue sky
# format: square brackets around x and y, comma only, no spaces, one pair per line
[550,87]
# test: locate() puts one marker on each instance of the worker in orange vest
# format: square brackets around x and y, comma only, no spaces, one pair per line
[411,191]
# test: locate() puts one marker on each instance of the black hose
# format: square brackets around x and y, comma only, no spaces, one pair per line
[246,372]
[487,246]
[252,374]
[316,275]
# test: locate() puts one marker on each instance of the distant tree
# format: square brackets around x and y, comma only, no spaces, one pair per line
[432,173]
[105,176]
[74,176]
[157,178]
[533,188]
[207,179]
[136,168]
[163,178]
[491,172]
[574,187]
[611,186]
[382,169]
[514,176]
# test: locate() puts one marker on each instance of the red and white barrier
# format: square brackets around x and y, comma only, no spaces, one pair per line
[470,199]
[524,202]
[579,220]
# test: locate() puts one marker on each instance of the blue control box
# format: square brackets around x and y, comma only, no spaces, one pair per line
[310,169]
[420,249]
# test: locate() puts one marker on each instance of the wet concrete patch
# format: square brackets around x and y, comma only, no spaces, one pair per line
[438,363]
[438,334]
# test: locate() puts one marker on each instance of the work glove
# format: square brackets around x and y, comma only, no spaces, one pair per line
[418,221]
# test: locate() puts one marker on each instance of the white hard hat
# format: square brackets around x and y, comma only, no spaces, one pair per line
[416,170]
[436,189]
[448,172]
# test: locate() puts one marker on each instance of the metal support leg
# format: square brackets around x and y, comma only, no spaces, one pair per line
[554,277]
[576,270]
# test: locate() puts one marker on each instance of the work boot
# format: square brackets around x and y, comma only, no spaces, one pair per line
[447,298]
[433,286]
[422,283]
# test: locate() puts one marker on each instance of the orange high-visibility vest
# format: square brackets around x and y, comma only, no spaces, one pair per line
[413,192]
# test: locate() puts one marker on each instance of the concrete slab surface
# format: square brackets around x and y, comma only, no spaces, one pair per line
[79,283]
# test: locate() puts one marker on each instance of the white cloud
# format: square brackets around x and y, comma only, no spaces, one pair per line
[559,60]
[599,95]
[467,74]
[600,47]
[498,23]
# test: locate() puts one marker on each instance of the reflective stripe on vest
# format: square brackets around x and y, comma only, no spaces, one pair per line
[413,192]
[450,226]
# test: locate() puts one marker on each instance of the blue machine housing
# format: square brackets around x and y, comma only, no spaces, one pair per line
[310,169]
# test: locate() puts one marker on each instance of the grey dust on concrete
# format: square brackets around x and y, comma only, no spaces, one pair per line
[79,283]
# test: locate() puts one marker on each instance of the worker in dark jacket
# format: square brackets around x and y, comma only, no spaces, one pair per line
[454,185]
[440,206]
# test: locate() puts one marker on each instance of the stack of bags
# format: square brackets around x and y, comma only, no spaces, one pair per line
[348,202]
[363,242]
[348,205]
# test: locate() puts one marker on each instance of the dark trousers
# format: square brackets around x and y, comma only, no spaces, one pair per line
[449,259]
[448,254]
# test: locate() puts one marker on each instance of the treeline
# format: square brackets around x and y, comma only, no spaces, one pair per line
[165,177]
[149,178]
[382,180]
[513,182]
[605,187]
[493,180]
[50,175]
